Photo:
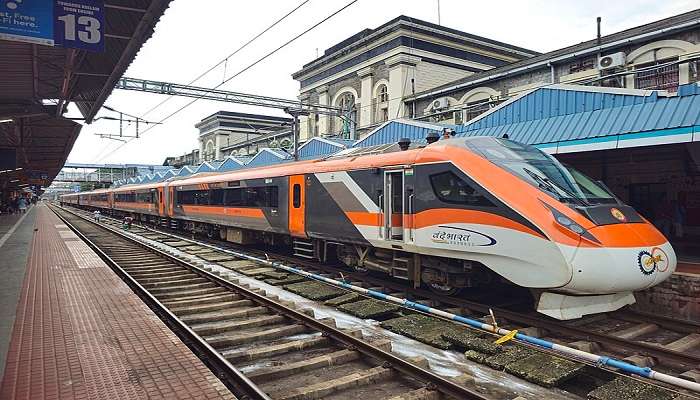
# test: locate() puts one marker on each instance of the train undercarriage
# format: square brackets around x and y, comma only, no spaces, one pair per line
[441,275]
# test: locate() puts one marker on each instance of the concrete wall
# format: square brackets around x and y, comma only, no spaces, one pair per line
[678,297]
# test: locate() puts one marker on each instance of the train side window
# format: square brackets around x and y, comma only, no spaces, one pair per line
[194,197]
[273,196]
[296,195]
[216,197]
[234,197]
[201,197]
[450,188]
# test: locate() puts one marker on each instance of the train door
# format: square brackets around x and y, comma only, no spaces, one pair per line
[393,205]
[170,200]
[160,201]
[297,205]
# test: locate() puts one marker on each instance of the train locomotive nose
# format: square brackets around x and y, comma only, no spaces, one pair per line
[636,255]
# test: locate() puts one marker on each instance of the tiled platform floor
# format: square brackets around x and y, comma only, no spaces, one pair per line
[81,333]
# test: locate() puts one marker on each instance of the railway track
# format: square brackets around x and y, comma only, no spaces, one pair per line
[672,346]
[259,347]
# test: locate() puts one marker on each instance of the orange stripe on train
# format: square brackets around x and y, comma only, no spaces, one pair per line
[225,211]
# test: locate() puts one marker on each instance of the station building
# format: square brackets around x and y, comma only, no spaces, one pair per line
[373,71]
[228,133]
[660,55]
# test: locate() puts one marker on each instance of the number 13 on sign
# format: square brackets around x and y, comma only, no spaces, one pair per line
[88,28]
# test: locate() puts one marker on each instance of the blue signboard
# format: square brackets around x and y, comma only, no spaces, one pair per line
[27,21]
[79,24]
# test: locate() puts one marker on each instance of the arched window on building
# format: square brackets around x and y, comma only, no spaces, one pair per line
[381,113]
[476,102]
[382,94]
[317,119]
[209,151]
[346,125]
[659,65]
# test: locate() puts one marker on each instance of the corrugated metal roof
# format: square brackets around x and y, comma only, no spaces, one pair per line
[560,100]
[185,171]
[230,164]
[556,115]
[317,147]
[392,131]
[207,166]
[267,156]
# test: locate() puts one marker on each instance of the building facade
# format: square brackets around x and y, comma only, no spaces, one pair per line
[190,158]
[232,133]
[371,73]
[660,55]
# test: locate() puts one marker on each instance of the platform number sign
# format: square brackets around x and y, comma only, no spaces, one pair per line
[79,24]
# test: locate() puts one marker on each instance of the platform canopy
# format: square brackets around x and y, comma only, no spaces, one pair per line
[572,118]
[37,82]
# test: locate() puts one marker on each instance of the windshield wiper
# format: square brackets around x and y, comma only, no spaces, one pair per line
[545,183]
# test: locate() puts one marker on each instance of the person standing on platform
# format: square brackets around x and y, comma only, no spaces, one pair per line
[22,205]
[13,205]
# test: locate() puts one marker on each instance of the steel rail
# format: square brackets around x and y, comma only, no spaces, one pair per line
[442,385]
[234,379]
[612,343]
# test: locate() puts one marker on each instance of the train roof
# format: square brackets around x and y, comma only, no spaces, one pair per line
[389,155]
[350,159]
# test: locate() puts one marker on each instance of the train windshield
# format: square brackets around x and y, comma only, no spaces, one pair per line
[543,171]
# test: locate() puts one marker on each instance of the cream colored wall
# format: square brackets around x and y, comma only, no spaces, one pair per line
[365,101]
[428,75]
[304,128]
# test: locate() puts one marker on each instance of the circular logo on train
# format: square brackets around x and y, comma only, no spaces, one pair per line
[660,259]
[646,262]
[618,214]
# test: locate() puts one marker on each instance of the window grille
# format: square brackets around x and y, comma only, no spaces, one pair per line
[661,78]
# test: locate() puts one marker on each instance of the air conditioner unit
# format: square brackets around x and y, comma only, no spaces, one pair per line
[441,103]
[611,61]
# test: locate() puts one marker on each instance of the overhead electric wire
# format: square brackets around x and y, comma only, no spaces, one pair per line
[225,59]
[285,44]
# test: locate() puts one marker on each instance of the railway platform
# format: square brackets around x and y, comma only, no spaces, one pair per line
[71,329]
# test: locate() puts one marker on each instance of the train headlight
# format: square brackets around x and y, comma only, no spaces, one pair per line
[576,228]
[564,220]
[568,224]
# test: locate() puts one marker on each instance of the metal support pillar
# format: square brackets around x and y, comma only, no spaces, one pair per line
[295,133]
[295,128]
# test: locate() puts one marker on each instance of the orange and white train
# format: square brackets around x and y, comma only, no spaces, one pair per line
[457,213]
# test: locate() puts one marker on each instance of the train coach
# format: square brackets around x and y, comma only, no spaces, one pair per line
[458,213]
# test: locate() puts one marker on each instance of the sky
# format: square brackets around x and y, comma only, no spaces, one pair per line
[192,36]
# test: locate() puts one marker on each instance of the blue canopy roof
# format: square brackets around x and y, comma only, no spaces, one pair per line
[267,156]
[392,131]
[185,171]
[207,166]
[564,118]
[230,164]
[318,147]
